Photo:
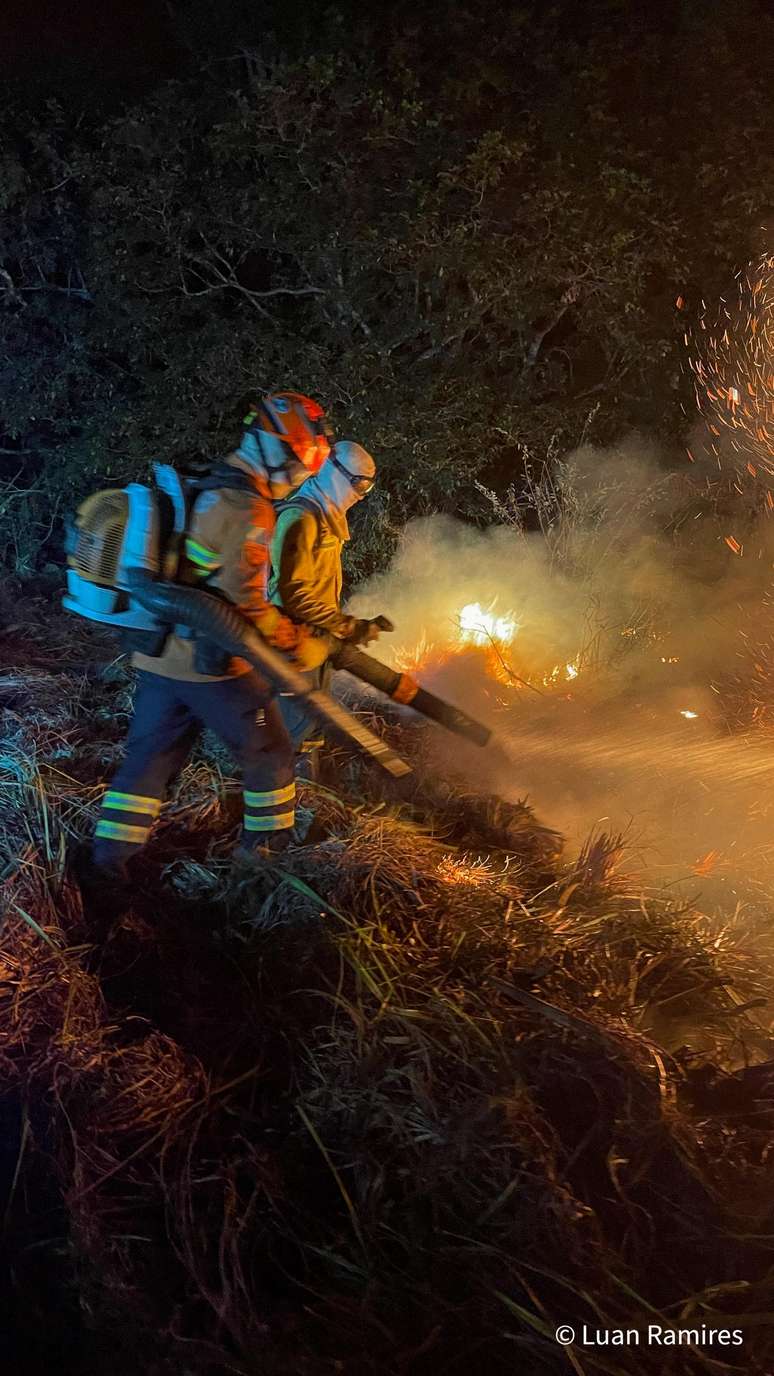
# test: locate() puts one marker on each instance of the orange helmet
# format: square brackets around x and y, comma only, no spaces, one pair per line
[297,421]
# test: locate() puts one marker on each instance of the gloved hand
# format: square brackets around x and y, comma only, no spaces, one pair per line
[312,650]
[365,632]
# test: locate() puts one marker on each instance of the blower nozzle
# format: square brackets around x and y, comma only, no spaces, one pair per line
[403,689]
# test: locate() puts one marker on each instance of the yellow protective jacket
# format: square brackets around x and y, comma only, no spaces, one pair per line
[227,550]
[306,579]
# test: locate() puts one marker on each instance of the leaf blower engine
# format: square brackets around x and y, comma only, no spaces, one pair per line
[119,539]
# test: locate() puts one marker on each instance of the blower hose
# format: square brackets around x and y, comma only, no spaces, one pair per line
[207,616]
[401,688]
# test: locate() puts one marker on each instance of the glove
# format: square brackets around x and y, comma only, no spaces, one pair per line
[365,632]
[312,650]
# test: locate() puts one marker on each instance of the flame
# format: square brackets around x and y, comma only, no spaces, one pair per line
[479,627]
[424,651]
[491,635]
[554,675]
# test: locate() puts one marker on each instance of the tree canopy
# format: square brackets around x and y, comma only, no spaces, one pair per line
[465,232]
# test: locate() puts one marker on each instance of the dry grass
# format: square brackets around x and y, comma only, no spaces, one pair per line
[400,1105]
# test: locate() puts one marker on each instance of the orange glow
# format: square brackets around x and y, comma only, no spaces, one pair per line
[412,659]
[706,863]
[461,871]
[494,638]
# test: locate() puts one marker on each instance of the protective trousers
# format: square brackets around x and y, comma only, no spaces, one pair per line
[168,716]
[301,722]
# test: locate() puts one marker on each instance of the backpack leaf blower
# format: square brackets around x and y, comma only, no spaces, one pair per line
[123,551]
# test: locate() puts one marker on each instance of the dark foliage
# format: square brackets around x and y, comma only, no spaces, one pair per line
[466,236]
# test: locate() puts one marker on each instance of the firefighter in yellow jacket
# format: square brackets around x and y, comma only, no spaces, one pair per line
[192,684]
[306,580]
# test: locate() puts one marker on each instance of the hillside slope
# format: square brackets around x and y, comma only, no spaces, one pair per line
[403,1104]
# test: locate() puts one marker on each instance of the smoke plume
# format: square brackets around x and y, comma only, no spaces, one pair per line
[633,696]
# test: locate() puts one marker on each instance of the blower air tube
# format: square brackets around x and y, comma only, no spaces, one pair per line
[401,688]
[232,632]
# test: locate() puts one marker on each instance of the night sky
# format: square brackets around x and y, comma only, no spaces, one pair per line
[125,39]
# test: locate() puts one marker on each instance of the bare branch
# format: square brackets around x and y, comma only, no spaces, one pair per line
[438,348]
[568,298]
[222,271]
[287,291]
[58,185]
[10,286]
[15,293]
[80,293]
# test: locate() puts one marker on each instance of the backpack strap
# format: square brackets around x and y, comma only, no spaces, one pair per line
[298,501]
[220,476]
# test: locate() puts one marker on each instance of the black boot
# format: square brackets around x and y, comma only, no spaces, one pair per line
[106,890]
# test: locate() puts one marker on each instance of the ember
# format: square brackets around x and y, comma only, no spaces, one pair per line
[733,366]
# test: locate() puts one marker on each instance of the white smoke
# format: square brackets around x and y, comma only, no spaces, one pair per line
[632,578]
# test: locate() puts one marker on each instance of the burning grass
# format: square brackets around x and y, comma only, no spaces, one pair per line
[402,1104]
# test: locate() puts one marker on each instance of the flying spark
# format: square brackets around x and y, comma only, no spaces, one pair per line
[732,360]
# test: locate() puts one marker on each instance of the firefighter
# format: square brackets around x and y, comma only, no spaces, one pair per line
[306,579]
[192,684]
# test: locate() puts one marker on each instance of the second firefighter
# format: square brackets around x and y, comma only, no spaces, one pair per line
[306,580]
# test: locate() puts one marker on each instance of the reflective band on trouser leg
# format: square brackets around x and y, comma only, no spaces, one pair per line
[268,810]
[116,839]
[139,810]
[131,802]
[270,797]
[121,831]
[281,821]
